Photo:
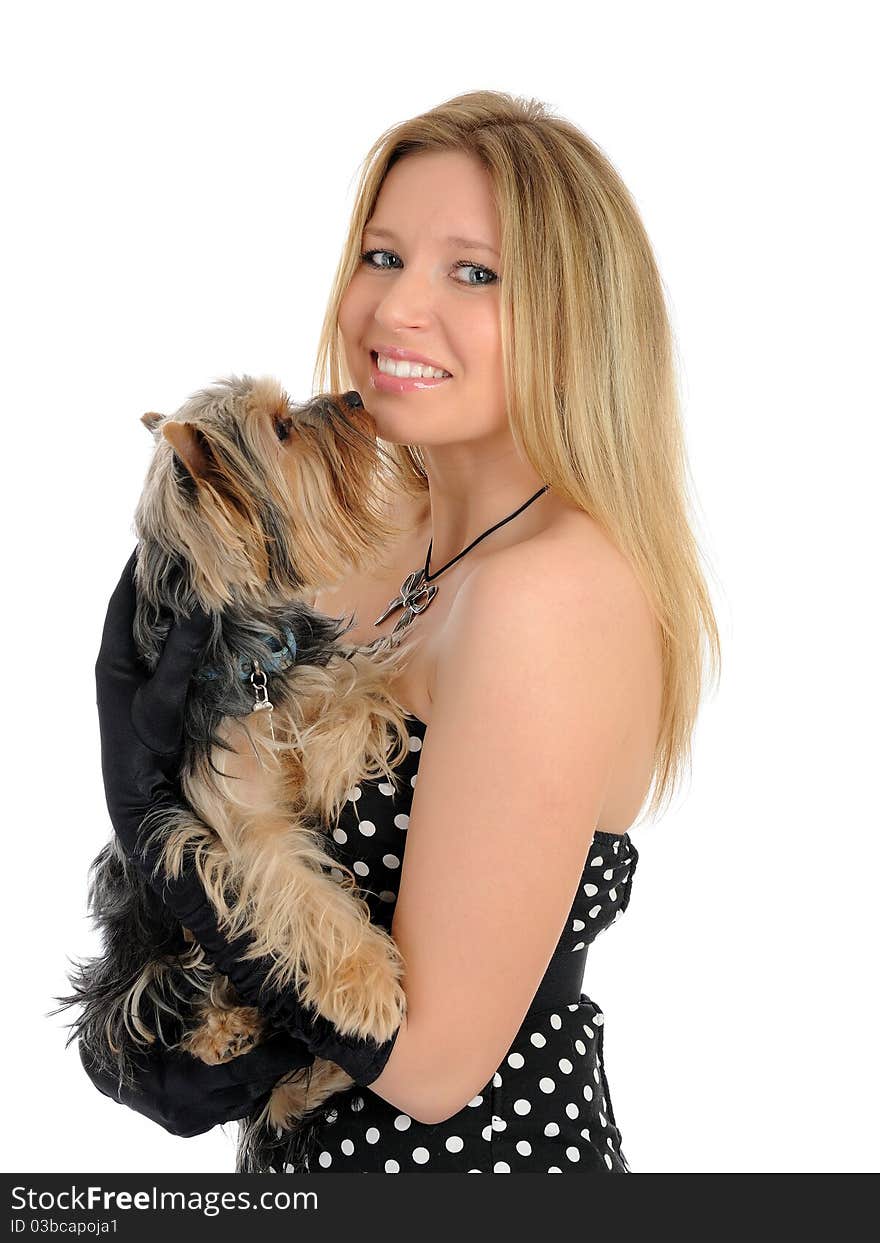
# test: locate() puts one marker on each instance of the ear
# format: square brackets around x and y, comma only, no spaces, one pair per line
[191,446]
[151,420]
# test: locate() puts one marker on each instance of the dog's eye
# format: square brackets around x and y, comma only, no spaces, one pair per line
[282,428]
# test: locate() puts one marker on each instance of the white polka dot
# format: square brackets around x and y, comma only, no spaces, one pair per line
[478,1100]
[554,1169]
[546,1084]
[387,895]
[486,1132]
[392,1166]
[496,1080]
[522,1107]
[402,821]
[455,1143]
[498,1124]
[597,862]
[586,1132]
[475,1171]
[565,1066]
[588,1092]
[591,890]
[577,925]
[612,894]
[361,868]
[331,1115]
[523,1147]
[324,1159]
[552,1128]
[580,945]
[602,1118]
[572,1110]
[402,1122]
[386,788]
[500,1167]
[580,1046]
[609,1141]
[340,835]
[367,828]
[573,1154]
[347,1147]
[608,873]
[592,912]
[336,874]
[516,1060]
[555,1022]
[421,1155]
[589,1030]
[415,744]
[372,1135]
[599,1018]
[538,1040]
[357,1104]
[608,1161]
[595,1074]
[354,794]
[391,861]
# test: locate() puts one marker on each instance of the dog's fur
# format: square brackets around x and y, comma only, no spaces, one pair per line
[251,505]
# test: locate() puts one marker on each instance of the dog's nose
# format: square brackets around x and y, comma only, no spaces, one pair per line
[353,399]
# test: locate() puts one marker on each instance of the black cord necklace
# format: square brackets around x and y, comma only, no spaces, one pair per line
[419,589]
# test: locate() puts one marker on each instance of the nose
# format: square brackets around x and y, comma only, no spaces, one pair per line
[353,399]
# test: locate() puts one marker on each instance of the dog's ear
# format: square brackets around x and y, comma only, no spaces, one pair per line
[191,446]
[151,420]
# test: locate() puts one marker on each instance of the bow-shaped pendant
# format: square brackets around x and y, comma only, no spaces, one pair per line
[415,596]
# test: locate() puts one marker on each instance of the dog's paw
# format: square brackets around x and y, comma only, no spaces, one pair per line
[224,1034]
[364,995]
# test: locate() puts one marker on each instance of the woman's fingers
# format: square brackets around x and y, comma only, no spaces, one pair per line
[269,1061]
[158,708]
[117,655]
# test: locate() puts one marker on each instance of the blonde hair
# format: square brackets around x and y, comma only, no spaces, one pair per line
[590,372]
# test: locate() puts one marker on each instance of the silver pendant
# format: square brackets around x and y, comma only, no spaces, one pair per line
[415,596]
[262,703]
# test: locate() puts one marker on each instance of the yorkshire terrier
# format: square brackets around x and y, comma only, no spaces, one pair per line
[251,505]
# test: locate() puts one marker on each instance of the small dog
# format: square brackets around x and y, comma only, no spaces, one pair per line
[251,505]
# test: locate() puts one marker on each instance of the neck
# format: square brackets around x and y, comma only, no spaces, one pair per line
[466,497]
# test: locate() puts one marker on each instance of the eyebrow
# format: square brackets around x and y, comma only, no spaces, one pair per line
[457,241]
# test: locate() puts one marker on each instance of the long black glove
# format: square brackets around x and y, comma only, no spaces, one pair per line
[187,1097]
[141,720]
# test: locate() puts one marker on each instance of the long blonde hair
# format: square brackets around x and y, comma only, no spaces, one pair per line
[589,365]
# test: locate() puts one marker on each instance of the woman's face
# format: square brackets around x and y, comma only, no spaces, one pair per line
[419,290]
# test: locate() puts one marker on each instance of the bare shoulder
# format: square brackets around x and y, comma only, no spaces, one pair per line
[571,586]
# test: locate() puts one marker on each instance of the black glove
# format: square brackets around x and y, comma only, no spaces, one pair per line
[188,1097]
[141,720]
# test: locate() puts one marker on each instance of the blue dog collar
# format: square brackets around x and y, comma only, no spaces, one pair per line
[281,656]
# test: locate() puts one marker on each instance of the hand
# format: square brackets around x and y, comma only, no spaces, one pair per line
[188,1097]
[141,720]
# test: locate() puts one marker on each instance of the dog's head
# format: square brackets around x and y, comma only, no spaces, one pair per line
[251,499]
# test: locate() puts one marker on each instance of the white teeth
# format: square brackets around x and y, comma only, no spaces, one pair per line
[392,366]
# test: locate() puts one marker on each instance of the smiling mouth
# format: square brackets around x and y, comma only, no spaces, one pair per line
[375,358]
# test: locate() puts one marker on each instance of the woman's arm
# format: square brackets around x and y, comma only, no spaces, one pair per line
[535,688]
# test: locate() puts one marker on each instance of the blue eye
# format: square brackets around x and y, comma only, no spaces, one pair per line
[367,256]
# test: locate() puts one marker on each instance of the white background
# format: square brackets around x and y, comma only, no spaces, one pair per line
[178,181]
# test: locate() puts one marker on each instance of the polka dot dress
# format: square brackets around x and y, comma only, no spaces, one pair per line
[547,1109]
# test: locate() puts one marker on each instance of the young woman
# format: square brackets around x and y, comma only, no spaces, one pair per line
[559,617]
